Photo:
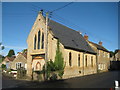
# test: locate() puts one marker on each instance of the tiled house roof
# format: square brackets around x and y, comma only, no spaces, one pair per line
[10,58]
[69,37]
[99,47]
[24,54]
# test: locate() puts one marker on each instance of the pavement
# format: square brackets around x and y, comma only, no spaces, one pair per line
[100,80]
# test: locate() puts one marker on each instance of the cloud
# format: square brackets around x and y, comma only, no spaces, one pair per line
[2,53]
[15,47]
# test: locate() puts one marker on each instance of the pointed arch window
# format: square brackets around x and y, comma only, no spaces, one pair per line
[35,42]
[91,61]
[78,59]
[39,39]
[86,60]
[70,59]
[42,40]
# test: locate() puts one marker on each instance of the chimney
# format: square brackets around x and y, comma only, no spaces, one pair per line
[100,43]
[86,37]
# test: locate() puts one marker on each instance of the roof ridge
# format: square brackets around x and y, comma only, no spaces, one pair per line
[99,46]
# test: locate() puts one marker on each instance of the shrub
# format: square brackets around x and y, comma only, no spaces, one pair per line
[58,65]
[3,66]
[21,73]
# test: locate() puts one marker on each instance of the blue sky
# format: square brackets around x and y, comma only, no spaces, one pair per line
[99,20]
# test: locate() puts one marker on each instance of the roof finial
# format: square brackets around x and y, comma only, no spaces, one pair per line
[41,11]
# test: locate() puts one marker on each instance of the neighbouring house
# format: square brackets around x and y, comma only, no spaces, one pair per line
[79,57]
[8,61]
[103,55]
[19,61]
[116,57]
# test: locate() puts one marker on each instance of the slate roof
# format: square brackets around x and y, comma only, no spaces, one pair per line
[70,38]
[99,47]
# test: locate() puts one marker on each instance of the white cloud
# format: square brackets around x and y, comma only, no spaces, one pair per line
[15,47]
[2,53]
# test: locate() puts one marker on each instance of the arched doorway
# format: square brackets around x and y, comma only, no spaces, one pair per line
[38,66]
[38,63]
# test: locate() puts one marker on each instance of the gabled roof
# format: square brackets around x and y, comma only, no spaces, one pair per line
[70,38]
[99,47]
[10,58]
[23,54]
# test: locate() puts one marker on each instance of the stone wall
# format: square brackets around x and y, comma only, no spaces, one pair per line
[70,71]
[19,58]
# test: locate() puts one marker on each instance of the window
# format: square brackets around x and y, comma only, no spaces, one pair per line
[35,42]
[42,40]
[39,39]
[78,59]
[108,55]
[70,61]
[18,65]
[91,61]
[86,60]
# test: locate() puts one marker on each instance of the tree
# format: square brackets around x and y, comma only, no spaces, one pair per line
[11,53]
[57,65]
[3,66]
[24,50]
[111,53]
[1,46]
[59,61]
[1,58]
[116,51]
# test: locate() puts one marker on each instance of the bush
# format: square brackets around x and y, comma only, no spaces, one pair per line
[21,73]
[53,77]
[3,66]
[60,73]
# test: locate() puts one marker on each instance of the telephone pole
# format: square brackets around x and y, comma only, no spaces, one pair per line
[46,45]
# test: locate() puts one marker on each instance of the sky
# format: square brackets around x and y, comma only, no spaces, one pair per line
[99,20]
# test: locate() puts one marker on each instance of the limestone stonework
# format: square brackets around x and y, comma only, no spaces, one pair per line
[102,56]
[20,59]
[36,53]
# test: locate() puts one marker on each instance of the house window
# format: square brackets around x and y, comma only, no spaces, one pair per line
[86,60]
[108,55]
[35,42]
[39,39]
[42,40]
[78,59]
[91,61]
[70,61]
[18,65]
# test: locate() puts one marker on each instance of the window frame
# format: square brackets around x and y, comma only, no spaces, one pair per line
[42,41]
[92,61]
[70,59]
[86,61]
[39,41]
[78,60]
[35,42]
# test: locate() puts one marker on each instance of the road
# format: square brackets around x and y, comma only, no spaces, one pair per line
[101,80]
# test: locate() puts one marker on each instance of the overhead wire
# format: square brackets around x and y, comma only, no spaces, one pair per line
[61,7]
[65,21]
